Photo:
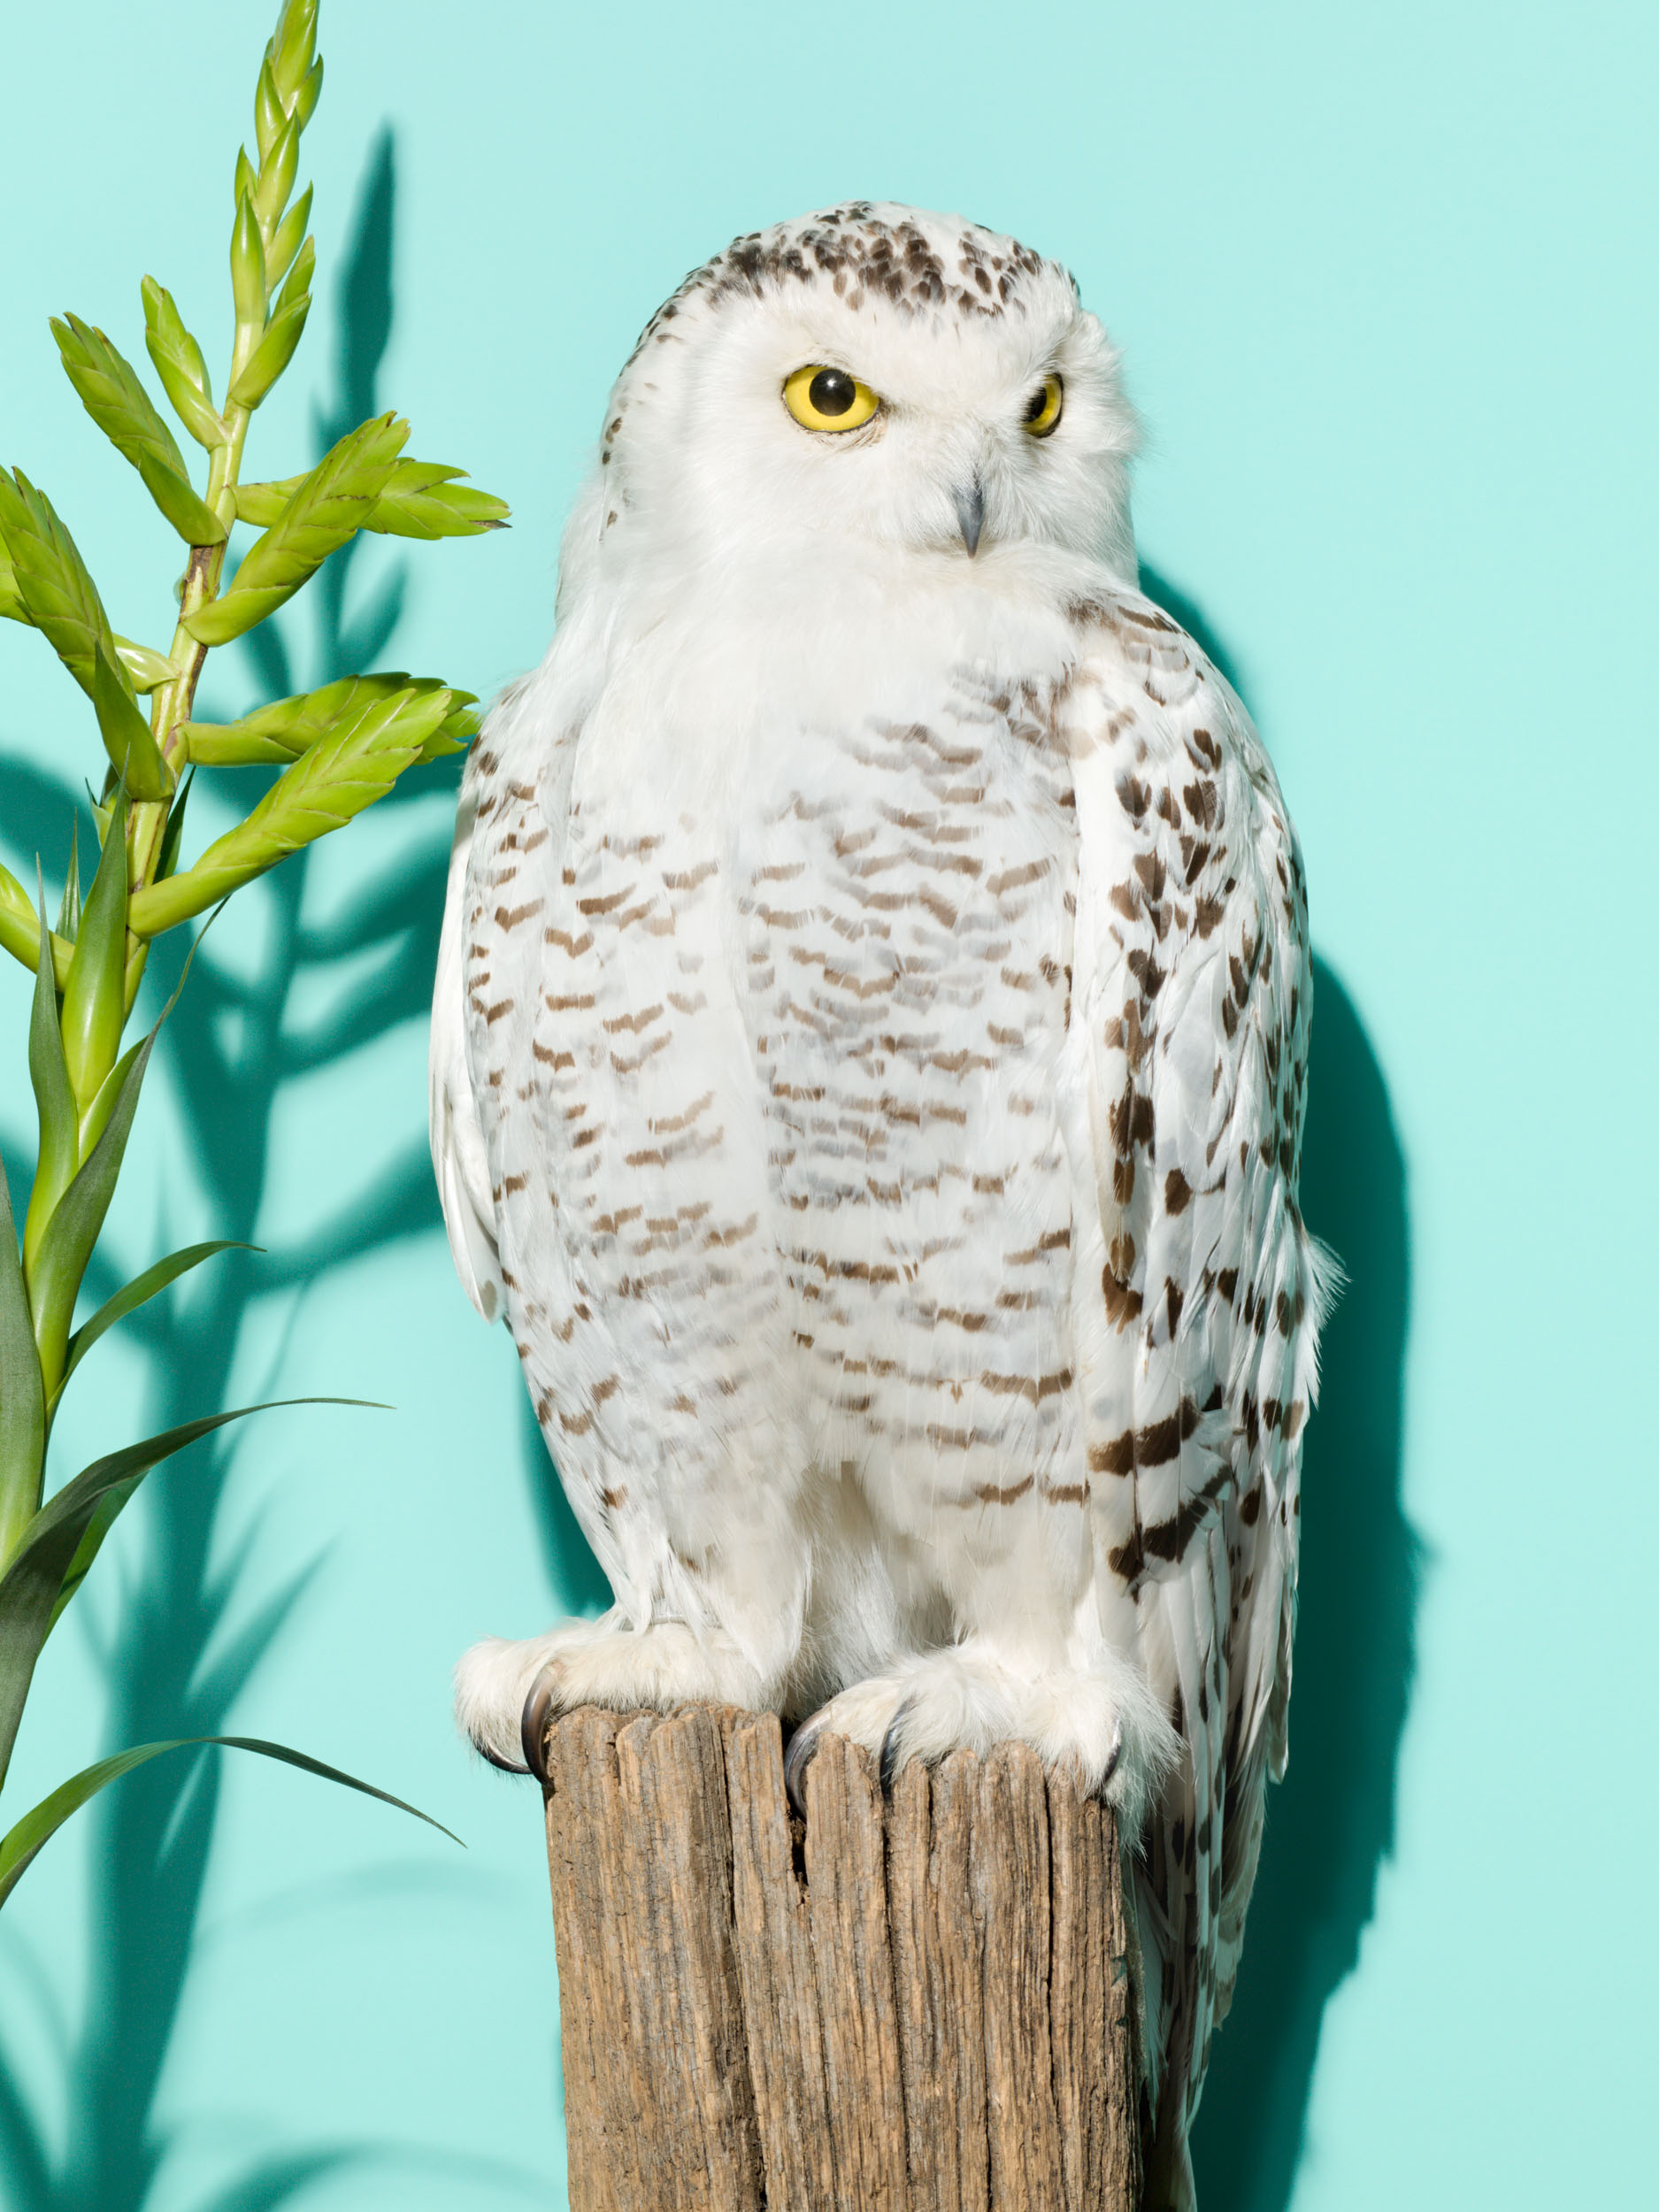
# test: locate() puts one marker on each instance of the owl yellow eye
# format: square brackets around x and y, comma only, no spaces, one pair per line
[828,399]
[1042,409]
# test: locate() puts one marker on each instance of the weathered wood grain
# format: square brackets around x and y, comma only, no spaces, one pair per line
[921,2005]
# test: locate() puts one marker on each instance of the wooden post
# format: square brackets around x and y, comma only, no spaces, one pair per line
[919,2005]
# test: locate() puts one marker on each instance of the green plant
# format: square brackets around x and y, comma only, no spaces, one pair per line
[339,749]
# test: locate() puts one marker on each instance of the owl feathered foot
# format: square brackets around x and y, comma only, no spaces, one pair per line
[506,1692]
[1104,1725]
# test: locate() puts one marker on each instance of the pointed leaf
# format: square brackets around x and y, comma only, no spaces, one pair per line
[112,394]
[146,671]
[38,1826]
[20,930]
[273,353]
[12,605]
[183,505]
[288,238]
[335,779]
[288,727]
[104,1516]
[422,500]
[22,1396]
[172,836]
[132,751]
[138,1292]
[59,1154]
[279,164]
[327,508]
[310,92]
[50,577]
[94,1004]
[73,1229]
[69,906]
[33,1578]
[247,262]
[179,364]
[292,48]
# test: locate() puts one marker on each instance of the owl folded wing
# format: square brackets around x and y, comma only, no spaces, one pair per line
[1193,994]
[458,1159]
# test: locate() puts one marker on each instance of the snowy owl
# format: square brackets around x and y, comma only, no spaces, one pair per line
[868,1070]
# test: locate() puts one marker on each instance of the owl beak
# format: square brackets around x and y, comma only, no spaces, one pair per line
[970,501]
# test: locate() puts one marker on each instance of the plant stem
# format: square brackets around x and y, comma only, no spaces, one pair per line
[172,701]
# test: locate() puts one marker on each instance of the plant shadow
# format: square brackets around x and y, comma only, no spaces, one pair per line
[234,1046]
[1330,1822]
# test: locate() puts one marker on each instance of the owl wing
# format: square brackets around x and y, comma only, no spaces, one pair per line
[1198,1286]
[458,1159]
[505,857]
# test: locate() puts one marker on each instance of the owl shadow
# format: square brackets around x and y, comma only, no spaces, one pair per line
[1330,1822]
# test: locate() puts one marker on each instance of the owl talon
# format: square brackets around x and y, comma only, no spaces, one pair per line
[802,1748]
[890,1759]
[533,1727]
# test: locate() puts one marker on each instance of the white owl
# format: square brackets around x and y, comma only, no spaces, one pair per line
[868,1070]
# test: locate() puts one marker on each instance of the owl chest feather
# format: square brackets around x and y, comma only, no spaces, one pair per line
[803,1001]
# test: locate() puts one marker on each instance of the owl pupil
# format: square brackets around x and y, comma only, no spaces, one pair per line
[1035,404]
[832,391]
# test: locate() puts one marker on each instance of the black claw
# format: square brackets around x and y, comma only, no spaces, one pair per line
[803,1746]
[507,1766]
[890,1747]
[533,1726]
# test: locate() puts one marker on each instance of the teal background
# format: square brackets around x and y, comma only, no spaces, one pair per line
[1384,283]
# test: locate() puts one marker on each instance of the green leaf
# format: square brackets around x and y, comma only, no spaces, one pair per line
[12,605]
[138,1292]
[69,909]
[179,364]
[145,671]
[59,1154]
[94,1005]
[34,1575]
[279,164]
[421,499]
[104,1516]
[73,1229]
[273,353]
[133,753]
[262,505]
[172,836]
[287,239]
[298,282]
[37,1827]
[291,48]
[247,264]
[327,508]
[288,727]
[333,780]
[310,92]
[50,577]
[182,506]
[113,395]
[118,402]
[269,113]
[20,930]
[22,1393]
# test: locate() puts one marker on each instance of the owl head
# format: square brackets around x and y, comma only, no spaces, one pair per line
[870,380]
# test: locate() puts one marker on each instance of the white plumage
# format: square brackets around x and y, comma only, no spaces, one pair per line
[868,1066]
